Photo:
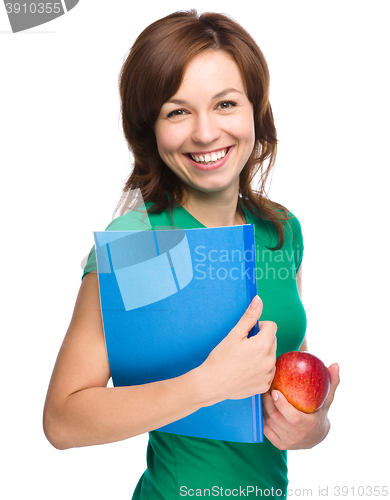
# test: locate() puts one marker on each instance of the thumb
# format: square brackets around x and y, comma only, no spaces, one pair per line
[334,373]
[249,318]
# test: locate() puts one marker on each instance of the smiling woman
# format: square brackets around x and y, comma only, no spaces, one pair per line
[207,142]
[197,118]
[217,61]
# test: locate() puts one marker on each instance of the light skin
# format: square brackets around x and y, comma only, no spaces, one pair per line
[210,112]
[80,410]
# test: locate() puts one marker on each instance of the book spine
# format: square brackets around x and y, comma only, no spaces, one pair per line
[251,290]
[257,414]
[250,267]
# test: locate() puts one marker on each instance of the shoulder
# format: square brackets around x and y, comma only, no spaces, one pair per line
[265,229]
[142,219]
[291,222]
[294,224]
[134,220]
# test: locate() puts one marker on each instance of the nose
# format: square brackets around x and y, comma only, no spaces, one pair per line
[206,129]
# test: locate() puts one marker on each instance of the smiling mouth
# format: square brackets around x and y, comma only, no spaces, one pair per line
[209,158]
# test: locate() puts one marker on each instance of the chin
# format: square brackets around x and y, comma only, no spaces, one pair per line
[218,186]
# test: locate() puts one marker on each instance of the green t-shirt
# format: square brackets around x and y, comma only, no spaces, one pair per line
[180,466]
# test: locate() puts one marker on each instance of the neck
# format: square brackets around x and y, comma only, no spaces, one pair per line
[214,209]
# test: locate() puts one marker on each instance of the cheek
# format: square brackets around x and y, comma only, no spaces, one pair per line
[244,129]
[248,129]
[168,140]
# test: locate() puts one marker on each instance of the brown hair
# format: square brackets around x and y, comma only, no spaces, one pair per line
[152,73]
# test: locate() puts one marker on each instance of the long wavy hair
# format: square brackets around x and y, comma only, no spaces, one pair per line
[152,73]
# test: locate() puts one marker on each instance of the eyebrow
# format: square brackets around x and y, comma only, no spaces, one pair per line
[230,90]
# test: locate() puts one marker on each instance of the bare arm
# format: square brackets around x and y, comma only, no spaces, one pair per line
[81,411]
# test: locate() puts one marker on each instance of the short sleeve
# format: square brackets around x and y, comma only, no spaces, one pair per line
[130,221]
[297,241]
[90,266]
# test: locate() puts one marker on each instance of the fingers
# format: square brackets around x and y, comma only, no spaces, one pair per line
[249,318]
[246,364]
[273,437]
[275,426]
[280,410]
[267,329]
[267,333]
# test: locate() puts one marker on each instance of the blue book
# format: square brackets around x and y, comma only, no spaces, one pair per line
[168,297]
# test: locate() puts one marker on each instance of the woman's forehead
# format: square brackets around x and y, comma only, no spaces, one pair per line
[212,72]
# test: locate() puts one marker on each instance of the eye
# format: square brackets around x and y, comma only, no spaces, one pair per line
[176,112]
[226,105]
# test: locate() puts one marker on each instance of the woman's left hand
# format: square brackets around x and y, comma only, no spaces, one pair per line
[290,429]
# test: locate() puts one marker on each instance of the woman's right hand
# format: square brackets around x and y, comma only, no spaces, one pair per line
[239,367]
[81,411]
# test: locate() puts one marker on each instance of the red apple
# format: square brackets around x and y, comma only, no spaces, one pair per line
[303,379]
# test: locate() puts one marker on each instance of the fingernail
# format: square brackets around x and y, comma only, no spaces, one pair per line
[255,301]
[275,395]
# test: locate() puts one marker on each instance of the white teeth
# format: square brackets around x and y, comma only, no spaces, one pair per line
[209,158]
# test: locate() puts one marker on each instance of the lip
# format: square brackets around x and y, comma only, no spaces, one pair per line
[212,166]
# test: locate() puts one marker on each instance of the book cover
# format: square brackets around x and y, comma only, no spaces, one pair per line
[168,297]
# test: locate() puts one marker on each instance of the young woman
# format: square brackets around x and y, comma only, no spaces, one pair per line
[198,121]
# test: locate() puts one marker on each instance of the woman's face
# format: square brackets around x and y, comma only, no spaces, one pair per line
[205,132]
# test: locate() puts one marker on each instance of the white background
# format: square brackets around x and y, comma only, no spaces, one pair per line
[63,162]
